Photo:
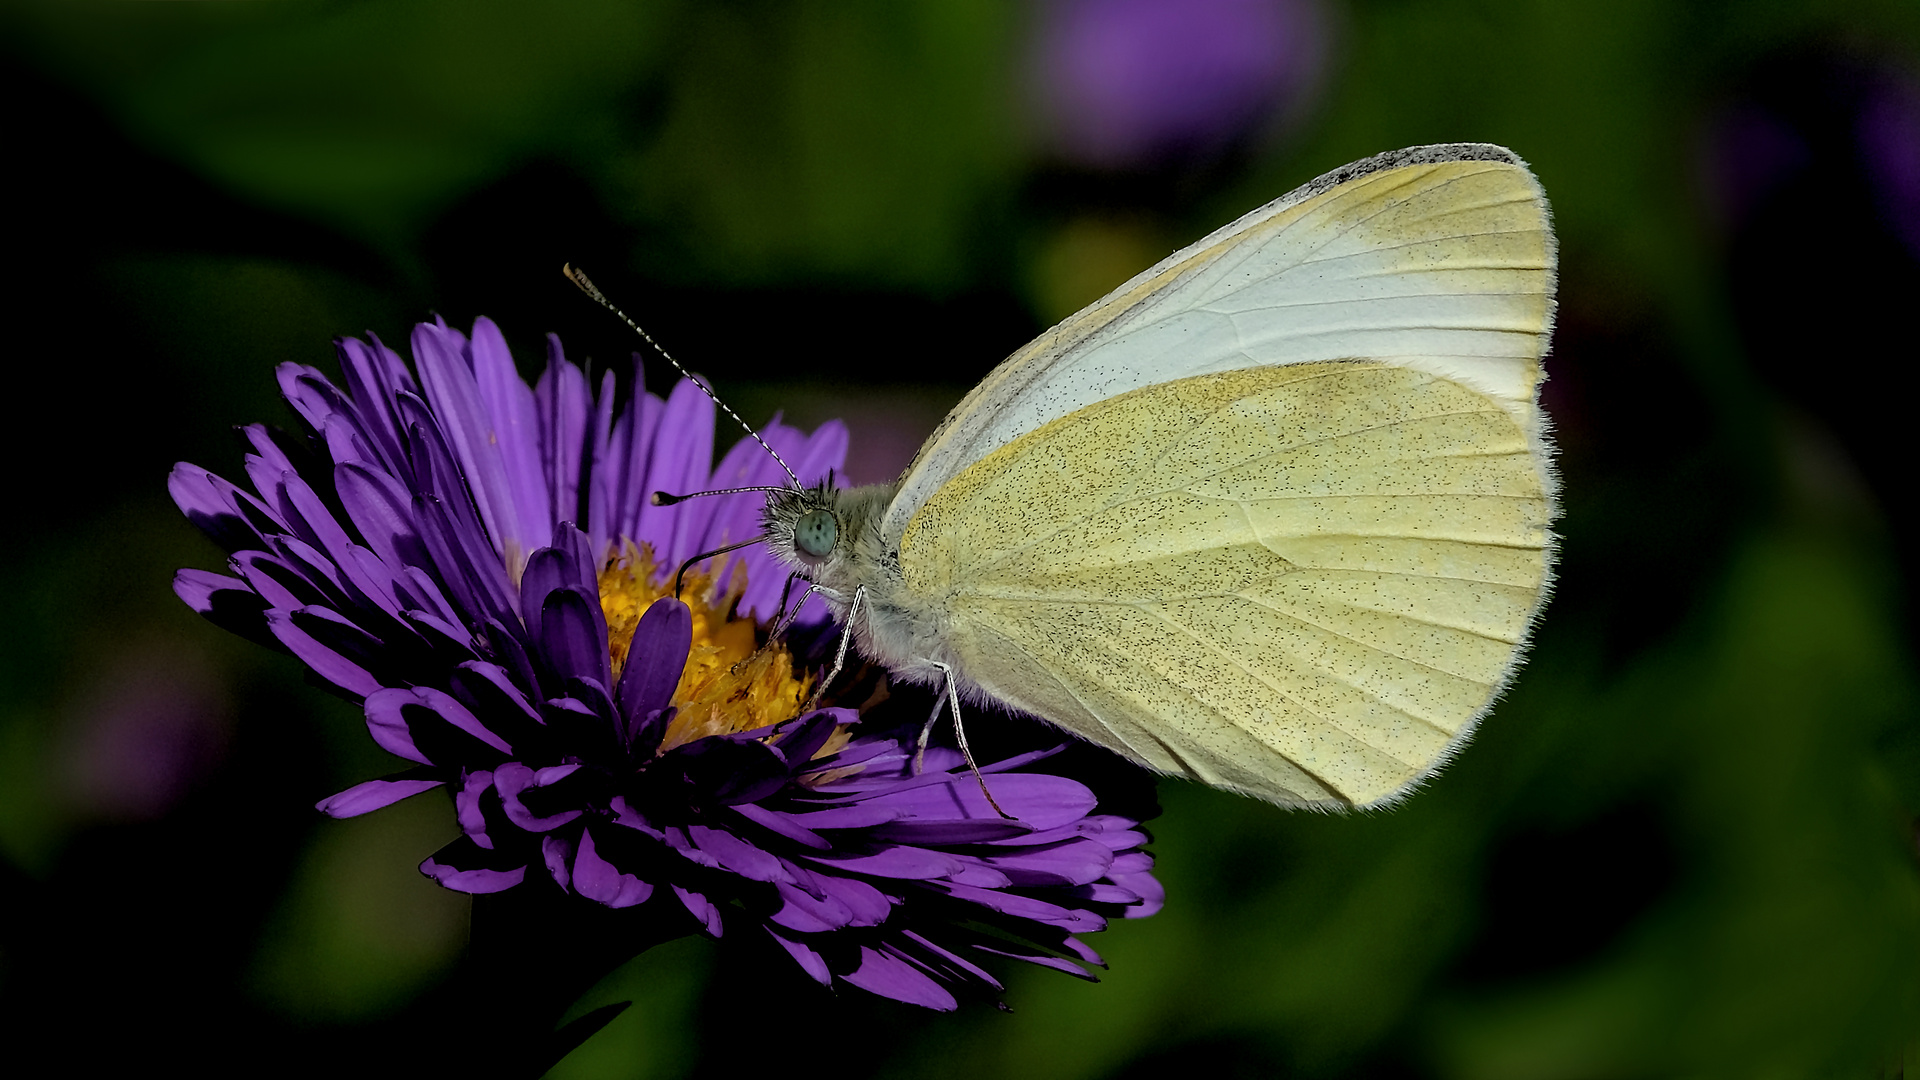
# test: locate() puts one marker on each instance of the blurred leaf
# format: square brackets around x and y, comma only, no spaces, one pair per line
[860,140]
[369,116]
[655,1039]
[362,931]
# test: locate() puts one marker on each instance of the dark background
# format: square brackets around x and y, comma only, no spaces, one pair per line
[1683,845]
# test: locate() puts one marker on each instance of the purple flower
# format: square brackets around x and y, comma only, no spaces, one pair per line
[1889,132]
[477,563]
[1128,82]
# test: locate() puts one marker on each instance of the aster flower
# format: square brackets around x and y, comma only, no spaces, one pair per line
[477,563]
[1125,83]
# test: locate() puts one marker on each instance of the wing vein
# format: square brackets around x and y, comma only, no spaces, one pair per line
[1285,696]
[1159,459]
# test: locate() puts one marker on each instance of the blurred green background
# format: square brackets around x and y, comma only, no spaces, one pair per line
[1683,846]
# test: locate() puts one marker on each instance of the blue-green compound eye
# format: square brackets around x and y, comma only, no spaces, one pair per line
[815,533]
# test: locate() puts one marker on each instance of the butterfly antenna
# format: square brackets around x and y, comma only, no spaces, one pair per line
[667,498]
[708,555]
[580,279]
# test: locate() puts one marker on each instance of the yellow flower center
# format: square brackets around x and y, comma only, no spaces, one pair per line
[730,684]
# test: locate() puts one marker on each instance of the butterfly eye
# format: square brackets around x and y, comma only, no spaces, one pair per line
[815,533]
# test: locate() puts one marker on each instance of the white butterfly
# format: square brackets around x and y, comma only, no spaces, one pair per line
[1272,515]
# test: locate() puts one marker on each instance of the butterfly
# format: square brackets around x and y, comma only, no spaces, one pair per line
[1273,515]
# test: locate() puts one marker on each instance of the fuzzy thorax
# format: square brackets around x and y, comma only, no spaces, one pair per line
[904,636]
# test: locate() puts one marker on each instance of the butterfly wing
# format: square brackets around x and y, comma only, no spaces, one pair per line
[1175,526]
[1303,582]
[1438,258]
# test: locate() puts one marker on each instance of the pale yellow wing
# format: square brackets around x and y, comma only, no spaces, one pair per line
[1437,258]
[1305,583]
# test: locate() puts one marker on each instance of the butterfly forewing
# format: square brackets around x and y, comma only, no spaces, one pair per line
[1437,258]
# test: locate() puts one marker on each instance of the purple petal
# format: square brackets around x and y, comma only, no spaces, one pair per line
[468,811]
[490,691]
[512,779]
[891,976]
[515,428]
[980,875]
[197,588]
[782,824]
[449,641]
[1027,907]
[448,379]
[869,906]
[286,580]
[1074,862]
[1101,892]
[419,592]
[562,402]
[597,879]
[894,862]
[310,519]
[381,508]
[735,855]
[959,968]
[1038,800]
[1153,895]
[678,462]
[573,635]
[226,602]
[1080,949]
[601,457]
[1057,963]
[399,718]
[947,833]
[373,374]
[371,796]
[809,961]
[348,442]
[859,816]
[309,392]
[325,662]
[625,815]
[464,867]
[556,850]
[655,661]
[808,914]
[215,507]
[703,910]
[471,571]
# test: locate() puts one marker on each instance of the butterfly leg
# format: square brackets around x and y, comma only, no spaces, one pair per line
[788,615]
[926,734]
[952,699]
[840,655]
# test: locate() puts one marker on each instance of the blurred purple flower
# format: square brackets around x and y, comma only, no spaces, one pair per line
[633,747]
[153,725]
[1130,82]
[1747,154]
[1889,134]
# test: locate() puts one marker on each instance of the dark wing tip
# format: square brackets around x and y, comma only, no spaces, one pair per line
[1435,154]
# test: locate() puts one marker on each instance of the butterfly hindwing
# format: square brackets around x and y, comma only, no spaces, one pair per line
[1304,582]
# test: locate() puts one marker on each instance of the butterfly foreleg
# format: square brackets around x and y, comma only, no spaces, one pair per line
[789,614]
